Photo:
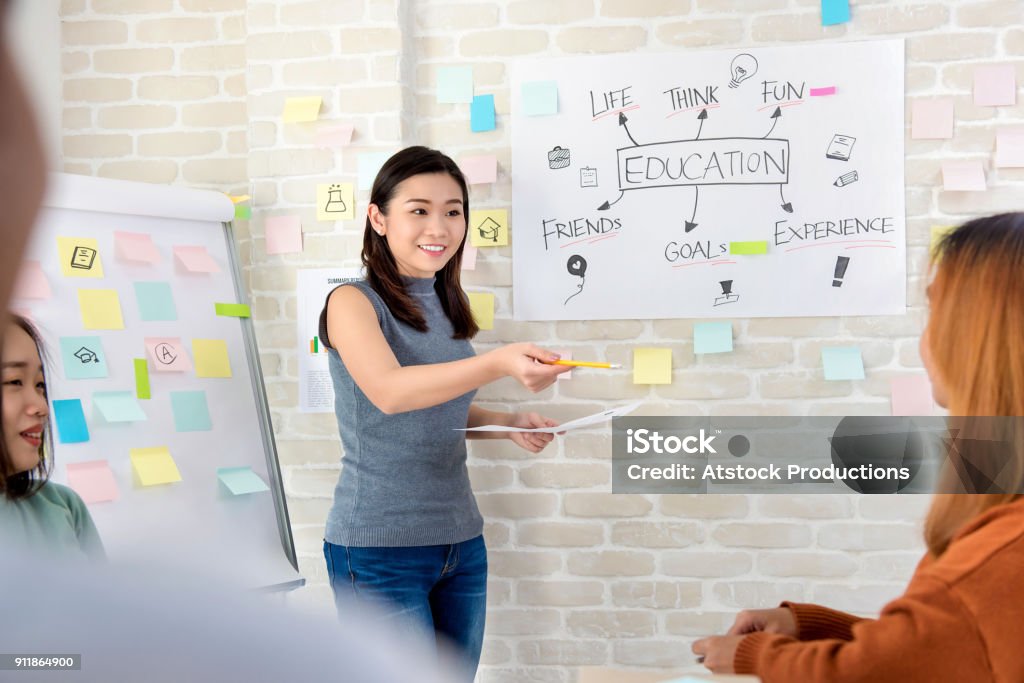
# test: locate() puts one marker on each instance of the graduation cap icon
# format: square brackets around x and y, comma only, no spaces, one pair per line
[85,356]
[489,229]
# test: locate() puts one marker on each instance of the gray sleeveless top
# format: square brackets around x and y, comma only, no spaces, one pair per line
[403,479]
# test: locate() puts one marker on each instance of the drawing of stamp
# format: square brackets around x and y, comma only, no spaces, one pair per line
[558,158]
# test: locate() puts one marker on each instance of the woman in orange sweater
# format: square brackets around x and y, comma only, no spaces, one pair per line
[961,617]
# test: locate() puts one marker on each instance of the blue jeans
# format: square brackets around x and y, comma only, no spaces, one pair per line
[439,588]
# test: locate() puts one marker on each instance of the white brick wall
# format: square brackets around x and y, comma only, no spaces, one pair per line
[191,91]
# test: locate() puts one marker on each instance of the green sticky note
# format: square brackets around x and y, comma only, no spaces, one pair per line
[118,406]
[241,480]
[83,357]
[233,310]
[712,337]
[842,362]
[540,98]
[748,248]
[141,378]
[243,212]
[155,301]
[455,84]
[191,413]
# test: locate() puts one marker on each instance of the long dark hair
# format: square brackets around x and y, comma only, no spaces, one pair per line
[379,263]
[14,485]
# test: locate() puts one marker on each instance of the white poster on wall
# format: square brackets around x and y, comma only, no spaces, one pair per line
[316,394]
[730,183]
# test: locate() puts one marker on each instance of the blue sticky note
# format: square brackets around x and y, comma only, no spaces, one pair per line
[369,165]
[842,362]
[83,357]
[191,413]
[712,337]
[455,84]
[540,98]
[481,114]
[155,301]
[835,12]
[241,480]
[118,406]
[70,418]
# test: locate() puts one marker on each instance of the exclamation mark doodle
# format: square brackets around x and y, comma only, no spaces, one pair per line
[841,263]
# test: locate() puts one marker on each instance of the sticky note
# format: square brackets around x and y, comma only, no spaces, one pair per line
[233,310]
[241,480]
[243,212]
[79,257]
[93,481]
[154,466]
[455,84]
[301,109]
[968,176]
[135,247]
[155,301]
[191,413]
[835,12]
[748,248]
[488,228]
[824,91]
[932,119]
[168,354]
[239,198]
[335,202]
[842,362]
[938,232]
[334,136]
[196,259]
[912,395]
[479,170]
[32,282]
[83,357]
[118,406]
[652,366]
[540,98]
[469,252]
[369,165]
[283,234]
[482,305]
[70,418]
[481,114]
[995,86]
[712,337]
[1010,148]
[211,358]
[100,309]
[141,378]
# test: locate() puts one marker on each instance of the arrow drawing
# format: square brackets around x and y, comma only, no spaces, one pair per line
[690,225]
[701,117]
[622,122]
[775,119]
[607,205]
[786,206]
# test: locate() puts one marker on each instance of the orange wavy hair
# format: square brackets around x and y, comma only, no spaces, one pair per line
[975,337]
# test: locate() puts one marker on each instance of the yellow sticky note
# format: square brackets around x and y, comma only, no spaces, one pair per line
[299,109]
[211,358]
[488,228]
[938,232]
[101,309]
[335,202]
[79,257]
[652,366]
[482,305]
[154,466]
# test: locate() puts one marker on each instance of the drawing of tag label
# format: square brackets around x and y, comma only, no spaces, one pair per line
[588,177]
[558,158]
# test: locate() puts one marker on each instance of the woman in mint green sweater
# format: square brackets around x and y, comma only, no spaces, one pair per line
[34,511]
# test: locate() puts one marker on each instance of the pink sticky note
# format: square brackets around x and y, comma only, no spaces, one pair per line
[93,481]
[32,282]
[283,234]
[912,395]
[1010,148]
[334,137]
[932,119]
[966,176]
[480,170]
[823,92]
[469,256]
[196,259]
[566,354]
[137,247]
[168,354]
[995,86]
